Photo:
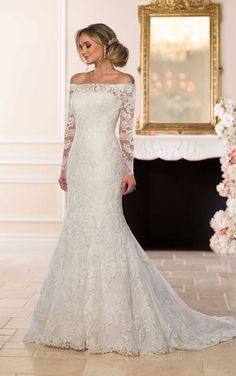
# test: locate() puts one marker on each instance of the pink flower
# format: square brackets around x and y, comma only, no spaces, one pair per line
[232,155]
[223,231]
[225,175]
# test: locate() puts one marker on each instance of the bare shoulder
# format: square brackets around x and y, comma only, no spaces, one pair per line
[78,78]
[126,78]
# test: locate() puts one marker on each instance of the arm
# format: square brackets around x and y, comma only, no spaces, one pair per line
[126,127]
[70,128]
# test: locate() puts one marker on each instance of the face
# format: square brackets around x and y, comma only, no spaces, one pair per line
[90,50]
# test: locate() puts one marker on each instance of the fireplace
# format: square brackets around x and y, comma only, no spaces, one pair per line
[173,203]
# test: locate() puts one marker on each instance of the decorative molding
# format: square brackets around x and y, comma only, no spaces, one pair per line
[31,218]
[31,140]
[30,161]
[29,235]
[31,244]
[36,180]
[61,97]
[59,138]
[164,146]
[62,67]
[29,179]
[181,4]
[178,8]
[174,147]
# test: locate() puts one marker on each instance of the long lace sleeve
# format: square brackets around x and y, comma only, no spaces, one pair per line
[70,128]
[126,128]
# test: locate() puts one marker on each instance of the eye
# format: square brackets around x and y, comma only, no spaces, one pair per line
[87,45]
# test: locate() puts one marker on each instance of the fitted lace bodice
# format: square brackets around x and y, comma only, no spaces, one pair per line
[125,92]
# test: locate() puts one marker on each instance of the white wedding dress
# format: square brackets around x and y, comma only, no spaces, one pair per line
[101,291]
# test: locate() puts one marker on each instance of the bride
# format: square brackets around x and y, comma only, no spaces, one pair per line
[101,291]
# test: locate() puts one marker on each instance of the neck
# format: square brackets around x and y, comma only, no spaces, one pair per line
[103,66]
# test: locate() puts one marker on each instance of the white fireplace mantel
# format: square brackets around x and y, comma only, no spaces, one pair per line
[173,147]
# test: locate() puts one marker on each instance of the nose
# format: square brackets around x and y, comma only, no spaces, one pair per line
[83,50]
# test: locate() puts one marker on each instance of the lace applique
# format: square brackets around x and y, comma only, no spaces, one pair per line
[126,94]
[126,127]
[70,129]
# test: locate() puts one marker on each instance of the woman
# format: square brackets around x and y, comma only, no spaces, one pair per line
[102,292]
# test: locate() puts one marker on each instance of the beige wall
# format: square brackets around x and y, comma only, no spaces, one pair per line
[228,48]
[32,107]
[34,75]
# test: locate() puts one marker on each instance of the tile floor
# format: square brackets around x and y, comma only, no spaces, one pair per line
[206,281]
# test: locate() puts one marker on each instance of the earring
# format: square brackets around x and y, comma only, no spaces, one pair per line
[104,51]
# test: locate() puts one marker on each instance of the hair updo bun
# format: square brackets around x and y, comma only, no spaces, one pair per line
[102,34]
[117,53]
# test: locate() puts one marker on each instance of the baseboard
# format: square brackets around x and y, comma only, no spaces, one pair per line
[27,242]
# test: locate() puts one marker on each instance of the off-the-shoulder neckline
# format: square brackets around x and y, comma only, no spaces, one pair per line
[102,83]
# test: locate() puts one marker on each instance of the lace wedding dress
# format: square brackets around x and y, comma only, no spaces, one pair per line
[101,291]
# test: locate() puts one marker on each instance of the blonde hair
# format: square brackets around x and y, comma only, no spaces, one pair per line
[100,33]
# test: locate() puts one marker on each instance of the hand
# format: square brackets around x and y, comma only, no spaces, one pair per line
[63,180]
[128,184]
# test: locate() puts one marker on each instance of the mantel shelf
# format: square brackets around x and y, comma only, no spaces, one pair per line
[173,147]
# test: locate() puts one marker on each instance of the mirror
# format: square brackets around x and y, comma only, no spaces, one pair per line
[179,67]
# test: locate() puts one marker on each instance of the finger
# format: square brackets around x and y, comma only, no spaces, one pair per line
[131,188]
[123,187]
[63,186]
[63,181]
[128,189]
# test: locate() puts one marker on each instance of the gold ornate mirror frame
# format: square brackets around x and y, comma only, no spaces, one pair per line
[175,106]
